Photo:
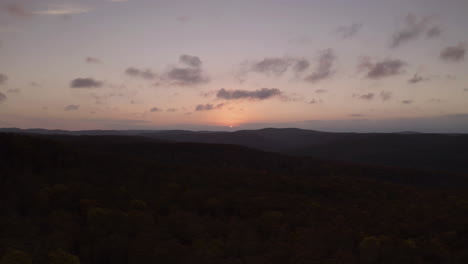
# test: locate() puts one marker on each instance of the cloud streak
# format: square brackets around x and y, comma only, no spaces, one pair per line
[145,74]
[85,83]
[208,107]
[72,107]
[261,94]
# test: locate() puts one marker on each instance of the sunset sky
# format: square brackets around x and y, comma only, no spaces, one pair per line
[335,65]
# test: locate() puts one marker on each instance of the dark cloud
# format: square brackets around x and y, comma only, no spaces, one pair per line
[407,101]
[346,32]
[16,9]
[208,107]
[412,29]
[145,74]
[3,97]
[453,53]
[192,61]
[324,67]
[72,107]
[274,66]
[262,94]
[385,96]
[155,109]
[301,65]
[368,96]
[434,32]
[93,60]
[85,83]
[313,101]
[187,76]
[385,68]
[3,79]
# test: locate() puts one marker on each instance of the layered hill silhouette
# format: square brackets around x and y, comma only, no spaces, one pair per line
[444,152]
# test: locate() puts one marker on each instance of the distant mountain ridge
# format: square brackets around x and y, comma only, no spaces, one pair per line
[408,149]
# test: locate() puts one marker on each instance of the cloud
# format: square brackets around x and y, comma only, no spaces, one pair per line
[301,65]
[145,74]
[208,107]
[313,101]
[16,9]
[3,79]
[416,79]
[93,60]
[385,68]
[3,97]
[192,61]
[434,32]
[412,29]
[274,66]
[155,109]
[72,107]
[368,96]
[385,96]
[63,9]
[85,83]
[346,32]
[262,94]
[192,74]
[187,76]
[453,53]
[320,91]
[172,110]
[324,67]
[407,101]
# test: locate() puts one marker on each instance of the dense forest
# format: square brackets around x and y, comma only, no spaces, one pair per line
[126,199]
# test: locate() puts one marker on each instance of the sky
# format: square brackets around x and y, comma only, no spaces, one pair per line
[335,65]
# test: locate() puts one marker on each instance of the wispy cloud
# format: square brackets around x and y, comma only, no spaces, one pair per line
[345,32]
[93,60]
[324,67]
[72,107]
[454,53]
[208,107]
[3,97]
[3,79]
[145,74]
[62,9]
[18,10]
[384,68]
[262,94]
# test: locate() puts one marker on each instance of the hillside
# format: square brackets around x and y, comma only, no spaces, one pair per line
[120,199]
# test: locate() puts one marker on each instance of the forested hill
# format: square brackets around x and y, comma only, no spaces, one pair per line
[117,199]
[442,152]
